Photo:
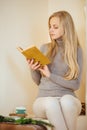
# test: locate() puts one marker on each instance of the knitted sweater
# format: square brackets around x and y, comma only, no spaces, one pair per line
[56,85]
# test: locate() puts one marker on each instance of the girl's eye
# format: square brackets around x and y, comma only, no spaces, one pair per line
[55,27]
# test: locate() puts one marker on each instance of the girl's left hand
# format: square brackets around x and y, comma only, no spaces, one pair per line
[45,71]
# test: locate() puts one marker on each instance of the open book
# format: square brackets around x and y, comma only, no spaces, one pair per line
[34,53]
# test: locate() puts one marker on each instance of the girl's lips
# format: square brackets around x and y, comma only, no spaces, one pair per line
[52,34]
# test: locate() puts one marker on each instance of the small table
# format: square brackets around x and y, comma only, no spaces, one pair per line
[17,115]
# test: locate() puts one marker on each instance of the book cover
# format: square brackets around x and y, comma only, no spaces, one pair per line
[34,53]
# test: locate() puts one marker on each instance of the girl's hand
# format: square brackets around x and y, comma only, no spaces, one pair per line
[45,71]
[32,65]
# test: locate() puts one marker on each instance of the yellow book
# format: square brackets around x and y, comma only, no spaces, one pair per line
[34,53]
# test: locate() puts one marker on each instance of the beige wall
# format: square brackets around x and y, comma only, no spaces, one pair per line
[24,22]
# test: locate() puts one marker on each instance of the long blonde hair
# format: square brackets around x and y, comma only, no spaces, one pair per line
[70,41]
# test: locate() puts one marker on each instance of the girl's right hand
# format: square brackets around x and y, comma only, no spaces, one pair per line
[32,65]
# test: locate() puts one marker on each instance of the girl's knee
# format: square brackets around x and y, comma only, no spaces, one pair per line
[51,102]
[67,99]
[45,103]
[70,102]
[39,108]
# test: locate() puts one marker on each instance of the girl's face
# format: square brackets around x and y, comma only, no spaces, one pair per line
[56,31]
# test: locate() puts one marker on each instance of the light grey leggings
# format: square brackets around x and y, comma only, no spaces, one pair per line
[61,112]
